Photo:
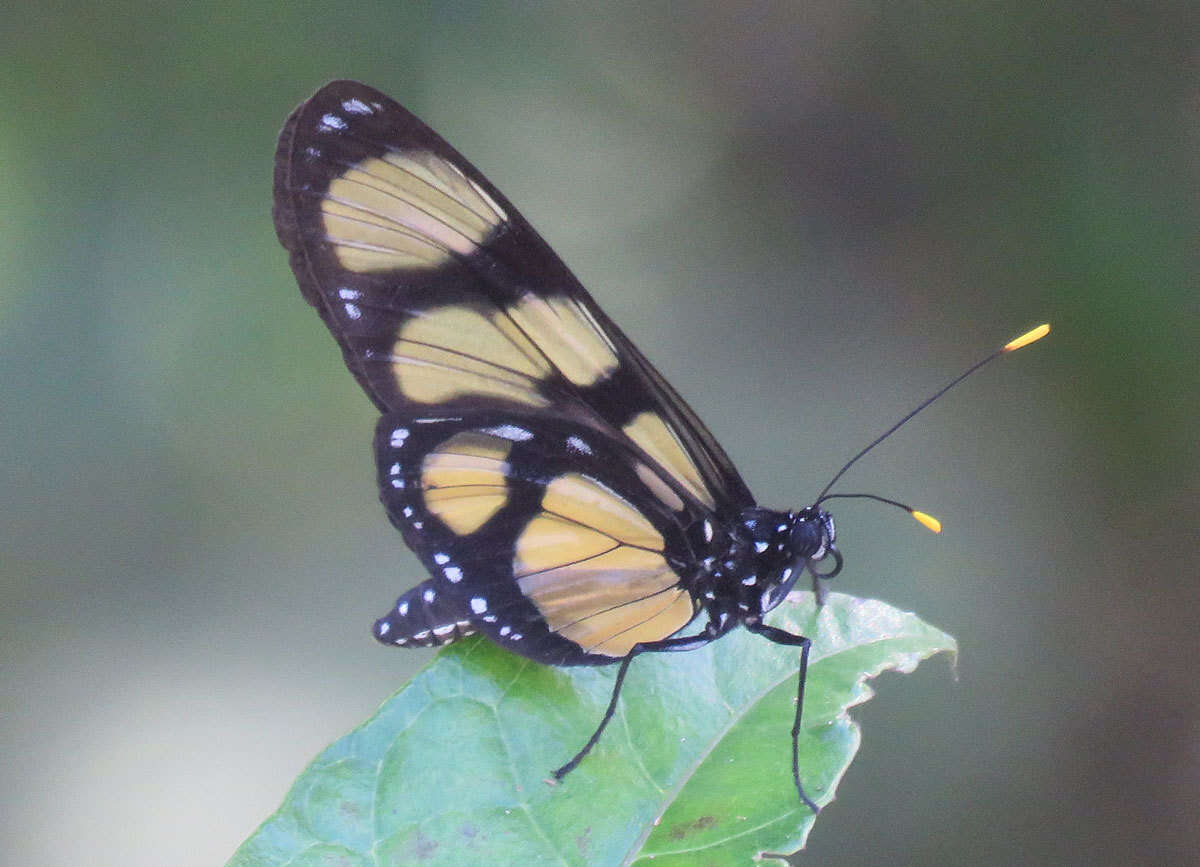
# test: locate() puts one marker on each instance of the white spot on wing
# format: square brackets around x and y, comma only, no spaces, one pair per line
[353,311]
[478,604]
[403,609]
[331,122]
[453,574]
[441,559]
[428,595]
[399,435]
[384,628]
[355,106]
[577,445]
[509,432]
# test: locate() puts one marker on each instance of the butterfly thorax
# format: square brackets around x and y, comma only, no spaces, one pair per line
[754,561]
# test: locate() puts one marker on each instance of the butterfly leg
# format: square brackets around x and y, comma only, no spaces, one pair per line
[667,645]
[819,587]
[786,638]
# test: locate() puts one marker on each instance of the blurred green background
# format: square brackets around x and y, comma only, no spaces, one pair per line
[809,214]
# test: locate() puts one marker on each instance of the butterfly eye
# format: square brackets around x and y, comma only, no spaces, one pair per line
[808,539]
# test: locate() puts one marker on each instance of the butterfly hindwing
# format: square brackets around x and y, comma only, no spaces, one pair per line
[552,539]
[444,299]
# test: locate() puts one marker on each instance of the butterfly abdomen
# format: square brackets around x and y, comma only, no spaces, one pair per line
[421,618]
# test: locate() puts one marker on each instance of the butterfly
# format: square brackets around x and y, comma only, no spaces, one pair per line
[566,501]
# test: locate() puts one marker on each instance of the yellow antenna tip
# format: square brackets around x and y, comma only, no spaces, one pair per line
[1027,338]
[927,521]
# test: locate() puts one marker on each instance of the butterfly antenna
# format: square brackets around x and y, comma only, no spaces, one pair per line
[1024,340]
[923,518]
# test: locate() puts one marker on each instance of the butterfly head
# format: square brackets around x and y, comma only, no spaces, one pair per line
[812,539]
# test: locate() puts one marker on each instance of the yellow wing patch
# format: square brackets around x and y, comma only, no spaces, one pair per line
[586,501]
[614,633]
[661,489]
[657,440]
[565,331]
[454,351]
[465,480]
[406,209]
[593,566]
[450,352]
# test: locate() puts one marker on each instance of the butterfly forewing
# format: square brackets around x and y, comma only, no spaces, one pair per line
[448,305]
[442,295]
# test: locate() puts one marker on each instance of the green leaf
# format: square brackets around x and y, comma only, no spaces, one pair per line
[695,767]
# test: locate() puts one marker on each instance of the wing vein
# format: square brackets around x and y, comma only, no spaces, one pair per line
[640,623]
[412,203]
[668,589]
[619,541]
[468,355]
[387,147]
[399,358]
[568,563]
[393,225]
[486,218]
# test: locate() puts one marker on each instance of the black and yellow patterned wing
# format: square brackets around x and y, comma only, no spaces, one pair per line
[445,301]
[556,541]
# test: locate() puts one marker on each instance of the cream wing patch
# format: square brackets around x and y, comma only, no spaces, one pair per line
[593,566]
[465,480]
[405,209]
[584,500]
[661,489]
[614,633]
[454,351]
[610,602]
[565,331]
[657,440]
